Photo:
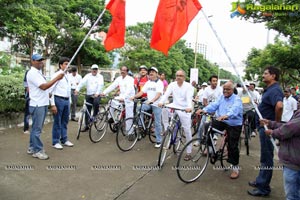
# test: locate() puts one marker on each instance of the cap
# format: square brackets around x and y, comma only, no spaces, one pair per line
[154,69]
[204,84]
[37,57]
[143,67]
[246,84]
[94,66]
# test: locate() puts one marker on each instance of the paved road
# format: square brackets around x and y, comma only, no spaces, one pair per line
[99,171]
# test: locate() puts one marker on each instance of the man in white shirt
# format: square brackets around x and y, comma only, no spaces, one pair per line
[199,96]
[126,85]
[256,94]
[154,88]
[289,106]
[38,105]
[94,83]
[60,107]
[74,79]
[182,92]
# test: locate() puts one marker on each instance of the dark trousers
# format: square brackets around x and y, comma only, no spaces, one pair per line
[95,102]
[26,115]
[74,99]
[233,136]
[251,118]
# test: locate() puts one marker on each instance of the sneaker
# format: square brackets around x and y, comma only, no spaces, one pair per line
[26,132]
[253,134]
[110,120]
[85,129]
[196,144]
[40,155]
[187,157]
[157,145]
[74,119]
[68,144]
[58,146]
[215,137]
[30,151]
[131,137]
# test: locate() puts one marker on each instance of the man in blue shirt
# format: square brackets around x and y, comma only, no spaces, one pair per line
[271,108]
[229,112]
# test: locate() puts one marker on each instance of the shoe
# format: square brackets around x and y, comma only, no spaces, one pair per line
[58,146]
[157,145]
[187,157]
[68,144]
[257,193]
[253,134]
[215,137]
[26,132]
[252,184]
[30,151]
[74,120]
[110,120]
[40,155]
[85,129]
[234,174]
[131,137]
[196,144]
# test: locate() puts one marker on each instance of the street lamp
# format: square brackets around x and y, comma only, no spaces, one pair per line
[196,44]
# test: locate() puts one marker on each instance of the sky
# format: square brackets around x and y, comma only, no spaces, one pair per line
[237,36]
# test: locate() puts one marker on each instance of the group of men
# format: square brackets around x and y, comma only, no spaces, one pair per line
[227,106]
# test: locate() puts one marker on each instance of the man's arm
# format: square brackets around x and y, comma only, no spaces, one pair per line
[47,85]
[278,111]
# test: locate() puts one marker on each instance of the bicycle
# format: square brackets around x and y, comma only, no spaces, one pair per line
[189,170]
[196,119]
[91,120]
[173,136]
[133,128]
[246,130]
[102,120]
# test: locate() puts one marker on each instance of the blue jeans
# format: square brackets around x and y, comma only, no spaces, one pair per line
[266,162]
[61,119]
[157,119]
[201,126]
[291,179]
[38,117]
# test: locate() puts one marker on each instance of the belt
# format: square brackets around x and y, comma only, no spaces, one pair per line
[65,98]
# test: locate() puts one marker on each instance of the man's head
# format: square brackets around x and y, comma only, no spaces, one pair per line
[270,75]
[73,71]
[162,76]
[153,73]
[37,61]
[287,92]
[293,91]
[94,69]
[124,71]
[252,86]
[180,76]
[213,81]
[194,84]
[204,85]
[63,63]
[228,89]
[143,70]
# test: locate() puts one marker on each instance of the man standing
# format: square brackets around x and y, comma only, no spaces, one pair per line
[26,112]
[271,107]
[94,83]
[38,105]
[154,89]
[182,92]
[74,79]
[289,106]
[229,113]
[199,96]
[60,107]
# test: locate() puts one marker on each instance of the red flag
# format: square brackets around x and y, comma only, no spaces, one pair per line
[171,22]
[115,37]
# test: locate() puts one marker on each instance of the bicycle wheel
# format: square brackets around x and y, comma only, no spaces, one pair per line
[114,126]
[80,123]
[224,155]
[127,135]
[247,138]
[165,146]
[190,170]
[151,133]
[194,120]
[98,128]
[179,141]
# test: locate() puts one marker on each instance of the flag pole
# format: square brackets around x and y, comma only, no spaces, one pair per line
[85,38]
[237,73]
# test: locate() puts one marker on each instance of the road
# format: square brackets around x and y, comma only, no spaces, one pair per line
[101,171]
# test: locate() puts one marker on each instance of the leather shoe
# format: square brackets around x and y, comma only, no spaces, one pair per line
[234,175]
[257,193]
[74,120]
[252,184]
[85,129]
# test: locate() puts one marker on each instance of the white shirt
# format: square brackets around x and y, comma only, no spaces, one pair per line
[212,94]
[126,86]
[74,80]
[182,95]
[289,106]
[61,88]
[200,95]
[152,88]
[94,84]
[38,97]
